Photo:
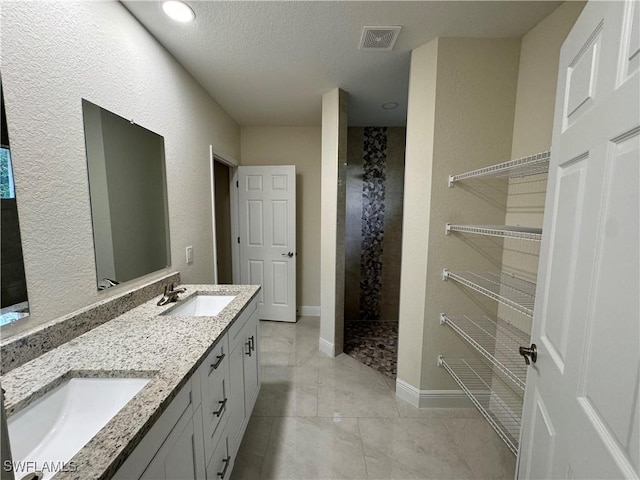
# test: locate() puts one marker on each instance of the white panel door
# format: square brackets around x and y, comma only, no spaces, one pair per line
[581,413]
[267,229]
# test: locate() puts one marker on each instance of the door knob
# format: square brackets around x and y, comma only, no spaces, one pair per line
[290,254]
[529,353]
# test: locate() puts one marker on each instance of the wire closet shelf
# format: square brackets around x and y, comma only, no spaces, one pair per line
[504,231]
[498,403]
[501,287]
[520,167]
[496,340]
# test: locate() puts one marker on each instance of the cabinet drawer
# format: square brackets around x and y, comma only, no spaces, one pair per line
[214,378]
[216,361]
[215,413]
[236,328]
[220,465]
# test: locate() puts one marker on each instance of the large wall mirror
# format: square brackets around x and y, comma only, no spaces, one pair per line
[13,292]
[127,182]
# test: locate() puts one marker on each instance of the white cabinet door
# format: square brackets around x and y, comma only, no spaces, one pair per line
[181,456]
[145,461]
[221,463]
[236,397]
[267,228]
[244,378]
[251,364]
[582,406]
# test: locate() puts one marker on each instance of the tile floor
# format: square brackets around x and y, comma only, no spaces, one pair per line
[334,418]
[373,343]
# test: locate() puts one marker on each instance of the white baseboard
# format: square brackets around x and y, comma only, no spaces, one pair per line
[326,347]
[309,310]
[431,398]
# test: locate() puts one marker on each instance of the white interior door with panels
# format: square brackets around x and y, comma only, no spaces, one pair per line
[582,412]
[267,237]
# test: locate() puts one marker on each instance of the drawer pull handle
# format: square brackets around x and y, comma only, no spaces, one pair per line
[223,403]
[214,366]
[248,344]
[226,462]
[252,343]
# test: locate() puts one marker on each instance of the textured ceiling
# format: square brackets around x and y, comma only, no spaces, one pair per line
[269,62]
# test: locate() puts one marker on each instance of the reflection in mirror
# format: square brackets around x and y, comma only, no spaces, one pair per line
[127,183]
[13,294]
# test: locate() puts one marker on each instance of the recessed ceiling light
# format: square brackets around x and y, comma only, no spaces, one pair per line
[179,11]
[390,105]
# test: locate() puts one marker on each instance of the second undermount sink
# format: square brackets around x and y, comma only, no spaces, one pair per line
[50,431]
[201,306]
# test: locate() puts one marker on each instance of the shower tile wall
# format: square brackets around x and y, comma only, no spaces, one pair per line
[374,163]
[373,224]
[392,244]
[353,224]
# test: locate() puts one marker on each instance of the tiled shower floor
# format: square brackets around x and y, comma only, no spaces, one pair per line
[373,343]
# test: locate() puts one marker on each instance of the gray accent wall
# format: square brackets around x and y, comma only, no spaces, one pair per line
[373,223]
[134,160]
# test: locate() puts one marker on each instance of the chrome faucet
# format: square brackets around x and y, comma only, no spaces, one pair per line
[170,294]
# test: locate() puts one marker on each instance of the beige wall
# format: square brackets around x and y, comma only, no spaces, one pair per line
[53,55]
[475,121]
[415,223]
[533,124]
[466,124]
[332,218]
[537,79]
[299,146]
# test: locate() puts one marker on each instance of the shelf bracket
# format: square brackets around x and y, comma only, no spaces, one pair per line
[447,229]
[445,274]
[451,180]
[439,360]
[443,319]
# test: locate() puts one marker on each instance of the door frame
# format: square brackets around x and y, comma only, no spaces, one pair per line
[233,164]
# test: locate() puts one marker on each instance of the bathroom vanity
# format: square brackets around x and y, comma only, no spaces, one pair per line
[188,420]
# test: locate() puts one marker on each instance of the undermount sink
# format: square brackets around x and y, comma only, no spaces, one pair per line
[51,430]
[201,306]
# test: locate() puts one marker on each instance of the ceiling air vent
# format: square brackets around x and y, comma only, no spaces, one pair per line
[380,39]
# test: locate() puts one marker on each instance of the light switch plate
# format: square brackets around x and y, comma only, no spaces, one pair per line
[189,254]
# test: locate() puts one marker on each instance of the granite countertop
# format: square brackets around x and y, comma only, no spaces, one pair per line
[139,343]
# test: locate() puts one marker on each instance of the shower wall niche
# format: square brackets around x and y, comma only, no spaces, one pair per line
[373,240]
